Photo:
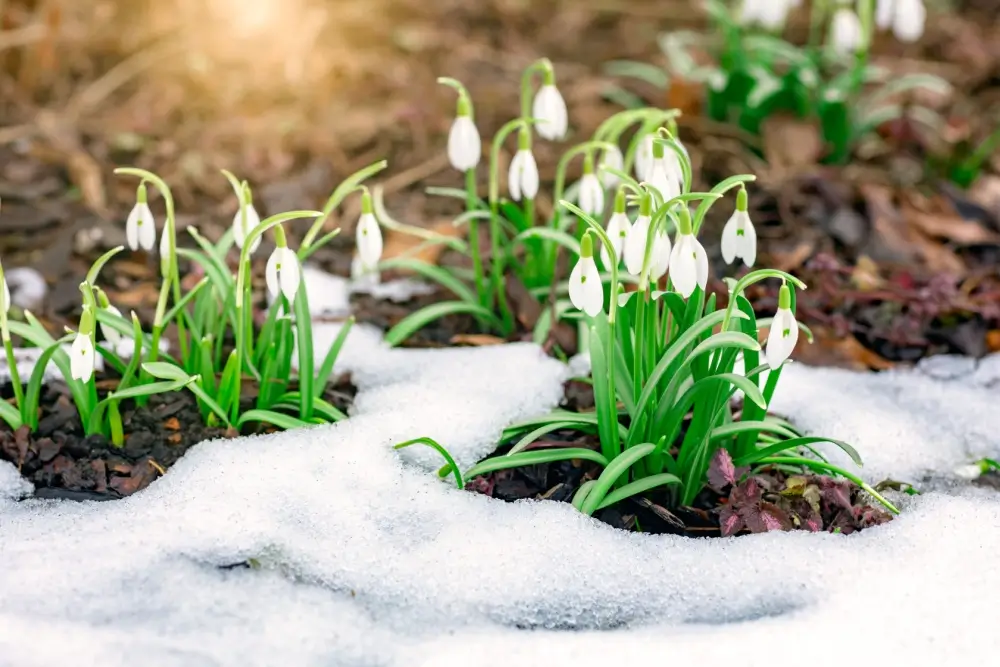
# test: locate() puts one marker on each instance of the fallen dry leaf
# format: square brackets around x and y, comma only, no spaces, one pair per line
[172,424]
[865,275]
[791,143]
[993,340]
[829,349]
[400,244]
[476,340]
[793,259]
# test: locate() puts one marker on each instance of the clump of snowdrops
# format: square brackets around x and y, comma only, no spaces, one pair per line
[518,245]
[756,74]
[218,348]
[666,358]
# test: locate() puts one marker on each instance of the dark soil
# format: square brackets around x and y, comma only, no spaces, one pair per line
[769,499]
[64,463]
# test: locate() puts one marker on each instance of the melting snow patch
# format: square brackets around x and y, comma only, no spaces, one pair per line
[366,558]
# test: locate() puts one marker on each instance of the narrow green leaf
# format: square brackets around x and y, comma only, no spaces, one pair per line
[792,443]
[433,273]
[421,318]
[532,436]
[278,419]
[615,469]
[451,465]
[534,458]
[637,487]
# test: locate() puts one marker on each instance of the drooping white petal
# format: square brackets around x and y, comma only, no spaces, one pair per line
[750,12]
[591,195]
[369,241]
[782,337]
[845,31]
[140,228]
[522,179]
[661,255]
[884,13]
[684,265]
[585,289]
[82,358]
[908,20]
[729,239]
[271,273]
[164,243]
[748,244]
[289,274]
[614,159]
[618,228]
[701,263]
[241,231]
[773,13]
[635,245]
[464,144]
[110,333]
[665,184]
[5,297]
[550,109]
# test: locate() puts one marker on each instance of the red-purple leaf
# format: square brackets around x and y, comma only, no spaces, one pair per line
[721,472]
[730,522]
[837,494]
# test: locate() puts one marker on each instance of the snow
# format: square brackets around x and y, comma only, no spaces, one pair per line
[366,558]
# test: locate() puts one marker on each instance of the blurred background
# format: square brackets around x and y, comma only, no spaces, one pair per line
[293,95]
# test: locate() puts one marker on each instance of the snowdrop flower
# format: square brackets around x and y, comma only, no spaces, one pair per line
[464,145]
[585,289]
[769,14]
[739,238]
[905,17]
[845,31]
[550,109]
[282,272]
[784,333]
[4,294]
[110,333]
[368,235]
[635,241]
[81,354]
[591,192]
[688,261]
[522,178]
[611,158]
[140,228]
[245,220]
[618,228]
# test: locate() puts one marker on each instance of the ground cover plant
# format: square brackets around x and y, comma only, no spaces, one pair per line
[235,367]
[667,360]
[755,74]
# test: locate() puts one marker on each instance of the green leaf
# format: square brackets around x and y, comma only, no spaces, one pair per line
[581,493]
[736,428]
[440,450]
[11,415]
[615,469]
[637,487]
[185,300]
[421,318]
[307,367]
[827,468]
[605,394]
[434,273]
[792,443]
[548,234]
[534,458]
[165,371]
[198,391]
[36,334]
[149,389]
[532,436]
[278,419]
[330,360]
[346,187]
[96,267]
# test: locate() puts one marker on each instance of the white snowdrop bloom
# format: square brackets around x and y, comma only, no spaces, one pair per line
[635,241]
[283,274]
[140,228]
[464,144]
[614,159]
[663,179]
[549,108]
[769,14]
[908,19]
[585,289]
[590,192]
[81,357]
[617,230]
[110,333]
[522,178]
[784,333]
[750,11]
[661,255]
[883,13]
[644,158]
[241,228]
[368,235]
[739,238]
[845,31]
[688,260]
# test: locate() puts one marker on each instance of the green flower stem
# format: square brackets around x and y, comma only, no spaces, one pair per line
[477,261]
[560,184]
[659,217]
[720,189]
[346,187]
[243,323]
[172,274]
[748,280]
[8,347]
[542,66]
[494,197]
